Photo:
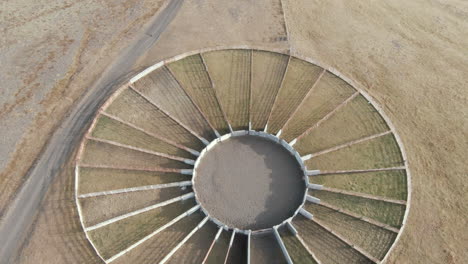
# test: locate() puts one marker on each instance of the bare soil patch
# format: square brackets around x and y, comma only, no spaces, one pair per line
[249,183]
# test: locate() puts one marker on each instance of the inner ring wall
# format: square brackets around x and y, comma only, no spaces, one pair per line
[263,135]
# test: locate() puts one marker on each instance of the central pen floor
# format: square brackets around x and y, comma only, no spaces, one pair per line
[249,182]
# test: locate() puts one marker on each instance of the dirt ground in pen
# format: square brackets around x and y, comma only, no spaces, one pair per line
[249,183]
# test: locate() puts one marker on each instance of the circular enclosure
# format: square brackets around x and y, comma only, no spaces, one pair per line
[249,181]
[339,183]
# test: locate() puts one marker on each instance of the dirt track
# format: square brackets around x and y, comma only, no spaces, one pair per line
[21,214]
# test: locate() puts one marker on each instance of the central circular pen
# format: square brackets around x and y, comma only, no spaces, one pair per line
[249,182]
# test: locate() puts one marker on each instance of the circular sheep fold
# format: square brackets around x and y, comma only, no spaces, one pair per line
[218,146]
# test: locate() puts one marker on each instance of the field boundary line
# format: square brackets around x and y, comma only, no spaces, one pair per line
[363,195]
[231,241]
[142,150]
[358,249]
[360,171]
[139,211]
[216,237]
[192,101]
[308,94]
[136,189]
[148,169]
[202,139]
[280,242]
[327,116]
[308,249]
[360,217]
[348,144]
[139,242]
[186,238]
[226,119]
[278,92]
[250,93]
[170,142]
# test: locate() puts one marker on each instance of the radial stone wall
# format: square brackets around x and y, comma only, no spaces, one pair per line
[134,187]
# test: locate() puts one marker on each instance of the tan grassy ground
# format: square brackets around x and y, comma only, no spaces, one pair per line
[296,250]
[327,248]
[381,152]
[391,184]
[109,129]
[329,92]
[411,57]
[384,212]
[356,120]
[156,248]
[299,78]
[164,91]
[113,238]
[97,153]
[191,73]
[265,249]
[220,23]
[374,240]
[233,90]
[51,52]
[267,74]
[98,209]
[194,250]
[134,109]
[102,179]
[57,236]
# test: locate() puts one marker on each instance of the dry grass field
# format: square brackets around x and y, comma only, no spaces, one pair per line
[134,109]
[103,154]
[296,249]
[374,240]
[163,90]
[233,91]
[224,26]
[355,120]
[197,246]
[325,245]
[384,212]
[324,97]
[390,184]
[120,204]
[268,70]
[103,179]
[381,152]
[265,249]
[161,244]
[112,130]
[192,74]
[298,80]
[113,238]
